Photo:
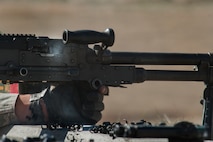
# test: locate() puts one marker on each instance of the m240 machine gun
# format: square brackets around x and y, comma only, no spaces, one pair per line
[31,59]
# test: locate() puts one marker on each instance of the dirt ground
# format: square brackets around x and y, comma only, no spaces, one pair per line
[139,26]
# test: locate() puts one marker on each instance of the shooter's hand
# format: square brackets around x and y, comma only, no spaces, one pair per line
[69,104]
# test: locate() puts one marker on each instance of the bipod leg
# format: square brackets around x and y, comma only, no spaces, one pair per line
[207,110]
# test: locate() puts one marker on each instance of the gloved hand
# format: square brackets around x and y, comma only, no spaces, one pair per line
[69,104]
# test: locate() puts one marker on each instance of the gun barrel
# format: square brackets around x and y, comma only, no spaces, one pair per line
[160,58]
[167,75]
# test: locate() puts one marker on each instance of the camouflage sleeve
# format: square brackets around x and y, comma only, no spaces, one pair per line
[7,109]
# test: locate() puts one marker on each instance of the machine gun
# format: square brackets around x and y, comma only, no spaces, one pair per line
[28,58]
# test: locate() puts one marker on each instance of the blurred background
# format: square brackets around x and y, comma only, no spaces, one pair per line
[140,26]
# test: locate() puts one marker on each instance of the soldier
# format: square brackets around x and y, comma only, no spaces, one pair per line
[64,104]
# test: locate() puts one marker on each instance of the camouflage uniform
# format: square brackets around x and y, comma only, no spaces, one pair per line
[7,109]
